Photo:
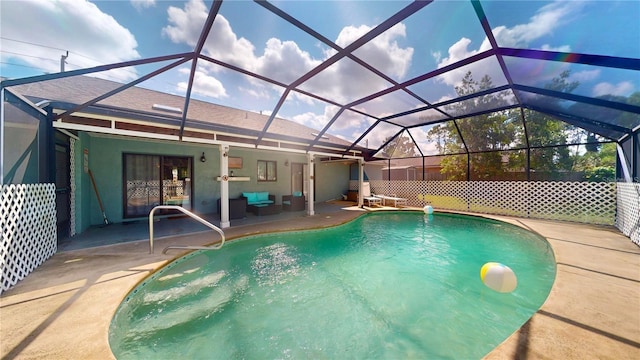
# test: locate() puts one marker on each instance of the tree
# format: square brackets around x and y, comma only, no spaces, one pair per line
[599,165]
[399,147]
[547,131]
[487,132]
[487,137]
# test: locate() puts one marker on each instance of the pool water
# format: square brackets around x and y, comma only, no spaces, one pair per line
[396,285]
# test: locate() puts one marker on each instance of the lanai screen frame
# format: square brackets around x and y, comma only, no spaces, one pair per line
[627,138]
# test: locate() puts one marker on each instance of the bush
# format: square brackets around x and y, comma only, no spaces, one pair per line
[600,174]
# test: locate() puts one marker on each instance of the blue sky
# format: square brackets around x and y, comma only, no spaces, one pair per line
[248,36]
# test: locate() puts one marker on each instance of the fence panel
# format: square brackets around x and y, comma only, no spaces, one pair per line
[587,202]
[628,217]
[29,234]
[451,195]
[500,197]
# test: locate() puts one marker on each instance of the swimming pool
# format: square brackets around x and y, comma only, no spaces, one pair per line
[384,286]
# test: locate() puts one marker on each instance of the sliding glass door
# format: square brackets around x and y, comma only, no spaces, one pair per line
[151,180]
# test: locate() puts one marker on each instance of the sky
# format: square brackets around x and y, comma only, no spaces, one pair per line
[248,36]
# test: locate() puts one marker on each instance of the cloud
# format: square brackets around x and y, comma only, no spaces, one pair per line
[143,4]
[584,76]
[186,23]
[623,88]
[421,135]
[284,61]
[222,43]
[280,60]
[561,48]
[347,81]
[350,125]
[258,92]
[311,120]
[383,52]
[543,23]
[203,84]
[91,36]
[546,20]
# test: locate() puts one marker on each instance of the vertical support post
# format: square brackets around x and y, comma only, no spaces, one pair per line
[360,182]
[624,164]
[47,148]
[635,157]
[312,170]
[389,191]
[224,186]
[528,164]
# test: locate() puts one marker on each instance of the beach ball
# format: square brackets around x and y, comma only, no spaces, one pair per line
[428,209]
[498,277]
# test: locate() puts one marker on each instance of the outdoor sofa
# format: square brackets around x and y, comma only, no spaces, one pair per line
[261,203]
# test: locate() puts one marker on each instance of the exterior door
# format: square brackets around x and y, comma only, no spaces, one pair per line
[152,180]
[298,176]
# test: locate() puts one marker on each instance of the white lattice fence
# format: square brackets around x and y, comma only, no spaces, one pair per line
[587,202]
[28,225]
[500,197]
[451,195]
[593,203]
[143,189]
[404,189]
[628,216]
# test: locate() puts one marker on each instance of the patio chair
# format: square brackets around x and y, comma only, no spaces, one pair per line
[294,202]
[396,200]
[367,197]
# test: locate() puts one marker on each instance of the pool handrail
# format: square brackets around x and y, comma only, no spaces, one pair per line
[191,215]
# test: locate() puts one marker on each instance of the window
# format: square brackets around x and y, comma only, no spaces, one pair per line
[267,170]
[152,180]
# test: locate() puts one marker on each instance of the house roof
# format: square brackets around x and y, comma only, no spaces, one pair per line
[153,107]
[526,79]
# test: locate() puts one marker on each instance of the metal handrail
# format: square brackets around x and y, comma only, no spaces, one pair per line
[193,216]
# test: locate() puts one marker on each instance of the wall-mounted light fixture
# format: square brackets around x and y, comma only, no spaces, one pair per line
[202,158]
[286,162]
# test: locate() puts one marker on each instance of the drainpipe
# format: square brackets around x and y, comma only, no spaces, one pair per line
[310,210]
[360,182]
[48,148]
[224,186]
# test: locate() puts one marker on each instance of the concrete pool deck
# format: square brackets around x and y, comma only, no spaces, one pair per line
[63,309]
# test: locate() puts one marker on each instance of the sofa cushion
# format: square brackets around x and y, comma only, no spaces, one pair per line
[252,197]
[297,193]
[262,196]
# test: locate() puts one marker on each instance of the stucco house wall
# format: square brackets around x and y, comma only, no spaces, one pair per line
[105,159]
[332,180]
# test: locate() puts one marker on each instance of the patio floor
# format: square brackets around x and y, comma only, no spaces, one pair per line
[63,309]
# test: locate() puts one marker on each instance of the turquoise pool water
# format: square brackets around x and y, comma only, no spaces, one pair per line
[397,285]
